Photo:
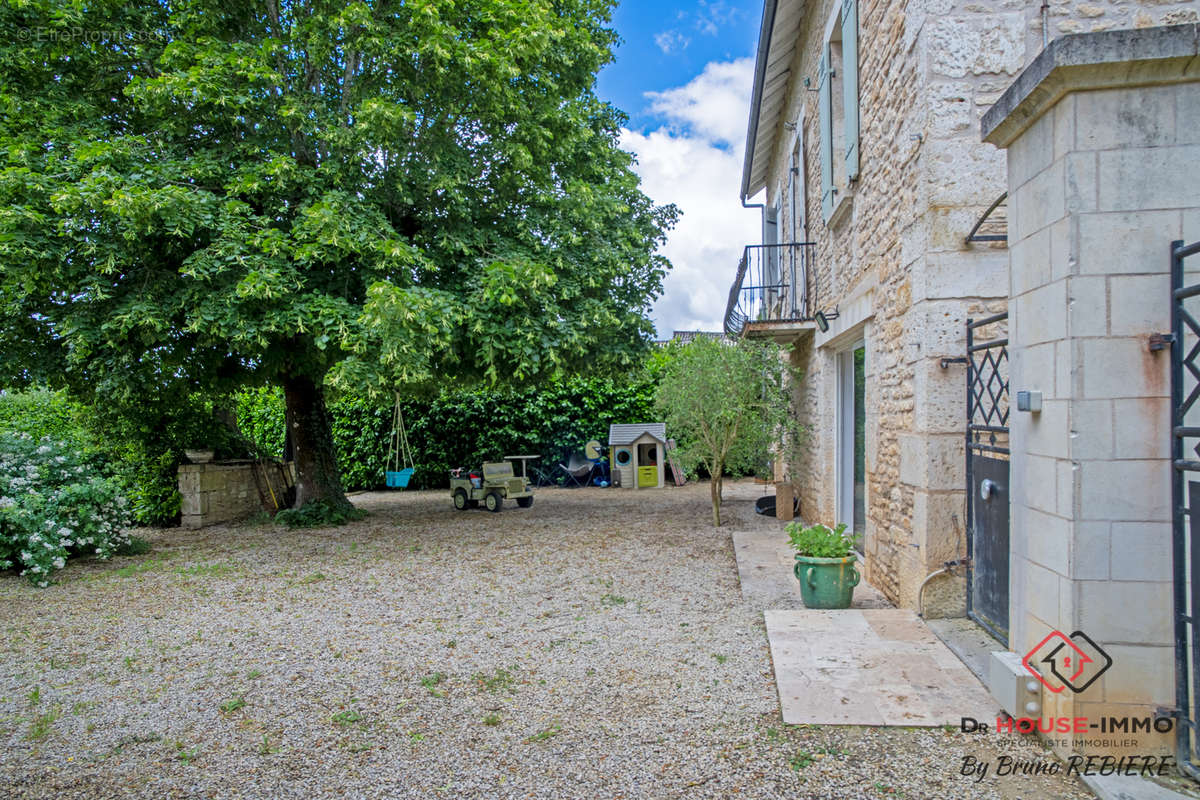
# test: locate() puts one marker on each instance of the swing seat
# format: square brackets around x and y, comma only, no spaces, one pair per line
[399,480]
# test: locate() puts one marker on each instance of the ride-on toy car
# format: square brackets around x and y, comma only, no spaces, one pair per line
[493,487]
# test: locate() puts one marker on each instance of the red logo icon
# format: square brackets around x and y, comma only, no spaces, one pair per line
[1073,662]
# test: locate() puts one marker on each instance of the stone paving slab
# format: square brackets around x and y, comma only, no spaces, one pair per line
[869,666]
[765,561]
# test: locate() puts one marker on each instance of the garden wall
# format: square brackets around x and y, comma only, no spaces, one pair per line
[216,493]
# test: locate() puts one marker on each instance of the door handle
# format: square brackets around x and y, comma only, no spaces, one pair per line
[988,488]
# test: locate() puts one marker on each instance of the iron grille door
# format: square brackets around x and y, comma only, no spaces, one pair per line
[988,473]
[1185,497]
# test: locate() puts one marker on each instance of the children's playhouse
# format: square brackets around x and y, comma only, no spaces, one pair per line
[638,454]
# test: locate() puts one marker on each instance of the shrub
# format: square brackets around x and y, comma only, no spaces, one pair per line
[317,514]
[44,413]
[54,503]
[820,541]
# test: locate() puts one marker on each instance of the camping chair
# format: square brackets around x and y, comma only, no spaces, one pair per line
[578,469]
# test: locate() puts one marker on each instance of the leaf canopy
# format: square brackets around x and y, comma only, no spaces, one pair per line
[404,192]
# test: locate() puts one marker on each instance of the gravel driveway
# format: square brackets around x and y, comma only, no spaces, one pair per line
[595,645]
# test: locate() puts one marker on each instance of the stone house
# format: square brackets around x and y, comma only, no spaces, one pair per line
[889,207]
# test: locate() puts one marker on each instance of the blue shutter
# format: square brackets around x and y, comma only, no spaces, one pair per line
[825,124]
[771,237]
[850,84]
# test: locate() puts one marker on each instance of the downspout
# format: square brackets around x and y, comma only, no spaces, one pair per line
[947,567]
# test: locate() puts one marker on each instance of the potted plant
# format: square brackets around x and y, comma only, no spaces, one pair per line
[824,565]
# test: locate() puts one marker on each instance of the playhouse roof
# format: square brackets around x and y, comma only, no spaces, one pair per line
[628,434]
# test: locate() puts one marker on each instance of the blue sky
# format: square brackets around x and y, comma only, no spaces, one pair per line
[683,74]
[666,43]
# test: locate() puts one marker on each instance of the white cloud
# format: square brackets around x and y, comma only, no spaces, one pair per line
[694,160]
[671,41]
[713,105]
[711,17]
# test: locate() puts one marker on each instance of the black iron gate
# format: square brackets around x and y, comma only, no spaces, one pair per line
[987,473]
[1185,496]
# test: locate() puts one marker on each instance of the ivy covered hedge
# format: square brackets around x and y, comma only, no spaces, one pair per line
[462,428]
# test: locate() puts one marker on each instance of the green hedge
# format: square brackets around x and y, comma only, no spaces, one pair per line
[462,428]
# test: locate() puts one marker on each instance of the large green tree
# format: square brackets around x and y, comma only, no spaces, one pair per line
[207,194]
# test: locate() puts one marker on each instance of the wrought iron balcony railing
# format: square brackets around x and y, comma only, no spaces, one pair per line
[774,283]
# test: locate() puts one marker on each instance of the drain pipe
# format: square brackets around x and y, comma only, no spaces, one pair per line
[1045,24]
[947,567]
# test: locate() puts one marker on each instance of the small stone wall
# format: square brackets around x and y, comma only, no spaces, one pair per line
[228,491]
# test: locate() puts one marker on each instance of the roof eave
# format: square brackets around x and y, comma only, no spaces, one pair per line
[760,75]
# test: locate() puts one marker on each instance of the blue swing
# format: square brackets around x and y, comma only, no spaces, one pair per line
[399,462]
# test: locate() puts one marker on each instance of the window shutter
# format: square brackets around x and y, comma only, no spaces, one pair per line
[850,84]
[800,189]
[771,237]
[825,99]
[791,199]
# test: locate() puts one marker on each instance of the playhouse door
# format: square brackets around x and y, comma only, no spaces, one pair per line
[647,466]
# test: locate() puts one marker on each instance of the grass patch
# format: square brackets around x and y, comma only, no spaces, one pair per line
[347,717]
[233,704]
[491,720]
[137,569]
[801,760]
[720,658]
[316,577]
[42,723]
[431,681]
[184,754]
[612,600]
[318,514]
[207,570]
[544,734]
[502,681]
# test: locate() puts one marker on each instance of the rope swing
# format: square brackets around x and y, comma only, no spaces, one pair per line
[399,461]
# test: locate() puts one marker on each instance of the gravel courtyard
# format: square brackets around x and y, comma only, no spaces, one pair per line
[595,645]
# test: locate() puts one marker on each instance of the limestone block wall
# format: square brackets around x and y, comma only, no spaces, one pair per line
[1101,181]
[216,493]
[900,247]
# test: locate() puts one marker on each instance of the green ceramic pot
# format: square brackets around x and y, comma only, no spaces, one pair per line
[826,582]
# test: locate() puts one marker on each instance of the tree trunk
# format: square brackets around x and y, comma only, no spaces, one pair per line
[317,476]
[714,489]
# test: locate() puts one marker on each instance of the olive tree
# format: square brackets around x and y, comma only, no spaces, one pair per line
[726,402]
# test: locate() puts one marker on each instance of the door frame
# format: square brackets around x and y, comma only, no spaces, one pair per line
[844,446]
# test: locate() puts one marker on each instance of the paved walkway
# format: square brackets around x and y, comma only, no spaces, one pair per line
[867,665]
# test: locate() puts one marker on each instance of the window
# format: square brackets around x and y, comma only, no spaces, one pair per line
[838,96]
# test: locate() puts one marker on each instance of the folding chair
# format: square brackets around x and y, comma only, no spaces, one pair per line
[578,469]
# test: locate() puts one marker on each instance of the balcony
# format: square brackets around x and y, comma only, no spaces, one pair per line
[773,293]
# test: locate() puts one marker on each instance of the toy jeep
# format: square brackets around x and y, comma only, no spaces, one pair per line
[493,487]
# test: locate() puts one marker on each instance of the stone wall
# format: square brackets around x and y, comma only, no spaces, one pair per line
[1103,165]
[895,265]
[216,493]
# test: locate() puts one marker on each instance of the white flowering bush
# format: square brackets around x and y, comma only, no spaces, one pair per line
[54,503]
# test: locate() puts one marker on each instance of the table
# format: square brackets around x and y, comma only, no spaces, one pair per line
[523,460]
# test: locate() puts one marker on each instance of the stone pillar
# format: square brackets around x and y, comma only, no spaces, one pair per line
[1103,139]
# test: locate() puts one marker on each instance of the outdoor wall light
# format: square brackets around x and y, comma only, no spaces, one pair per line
[823,318]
